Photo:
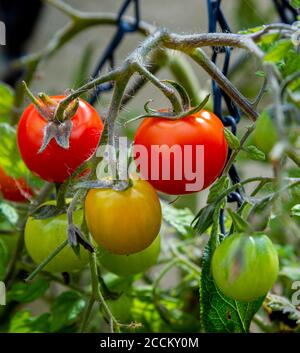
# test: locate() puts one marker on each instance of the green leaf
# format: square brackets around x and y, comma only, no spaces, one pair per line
[23,322]
[251,30]
[269,39]
[254,153]
[218,312]
[179,218]
[6,101]
[260,73]
[3,258]
[204,218]
[219,186]
[291,65]
[8,213]
[233,141]
[278,51]
[28,292]
[10,158]
[239,223]
[290,272]
[295,4]
[66,309]
[295,211]
[250,13]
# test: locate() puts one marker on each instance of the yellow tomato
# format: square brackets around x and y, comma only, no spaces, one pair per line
[124,222]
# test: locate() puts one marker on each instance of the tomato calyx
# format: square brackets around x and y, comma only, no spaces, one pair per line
[76,238]
[58,127]
[185,100]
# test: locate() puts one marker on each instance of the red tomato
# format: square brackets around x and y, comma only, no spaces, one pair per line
[56,164]
[188,172]
[14,189]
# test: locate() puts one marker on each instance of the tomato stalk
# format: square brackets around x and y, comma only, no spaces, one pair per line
[44,263]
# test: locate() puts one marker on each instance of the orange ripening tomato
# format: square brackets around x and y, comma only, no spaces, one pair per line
[12,189]
[56,164]
[124,222]
[176,144]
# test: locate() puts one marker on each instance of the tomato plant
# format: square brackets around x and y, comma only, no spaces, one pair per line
[55,163]
[124,222]
[199,129]
[95,249]
[127,265]
[245,267]
[43,236]
[14,189]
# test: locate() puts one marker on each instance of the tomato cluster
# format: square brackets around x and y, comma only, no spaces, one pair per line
[124,224]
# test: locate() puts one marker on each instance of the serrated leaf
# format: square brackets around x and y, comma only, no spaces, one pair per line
[66,309]
[295,211]
[8,213]
[218,312]
[23,322]
[254,153]
[179,218]
[219,186]
[28,292]
[233,141]
[278,51]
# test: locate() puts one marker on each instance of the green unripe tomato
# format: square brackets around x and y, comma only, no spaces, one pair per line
[121,308]
[43,236]
[245,267]
[265,134]
[127,265]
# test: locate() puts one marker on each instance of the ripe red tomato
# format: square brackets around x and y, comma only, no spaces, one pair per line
[188,172]
[14,189]
[56,164]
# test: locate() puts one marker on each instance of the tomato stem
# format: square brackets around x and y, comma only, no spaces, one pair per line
[45,262]
[35,101]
